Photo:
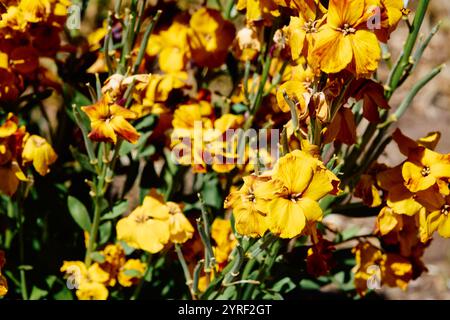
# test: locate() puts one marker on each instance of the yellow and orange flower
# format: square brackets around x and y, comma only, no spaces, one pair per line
[109,120]
[345,42]
[209,37]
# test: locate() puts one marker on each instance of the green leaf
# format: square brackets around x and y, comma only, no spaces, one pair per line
[284,285]
[118,209]
[211,193]
[350,232]
[126,147]
[229,294]
[37,293]
[105,232]
[146,122]
[97,257]
[63,294]
[132,273]
[79,213]
[128,250]
[148,151]
[50,280]
[239,108]
[25,267]
[309,284]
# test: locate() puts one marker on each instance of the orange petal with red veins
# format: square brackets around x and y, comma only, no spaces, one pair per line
[124,129]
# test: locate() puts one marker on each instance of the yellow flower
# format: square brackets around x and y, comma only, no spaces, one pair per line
[259,10]
[137,267]
[89,282]
[250,205]
[222,234]
[11,144]
[3,282]
[40,152]
[114,256]
[198,141]
[92,291]
[399,198]
[344,41]
[366,190]
[300,34]
[296,92]
[151,98]
[172,47]
[247,43]
[424,168]
[391,12]
[209,37]
[181,230]
[300,180]
[377,268]
[401,231]
[147,227]
[438,213]
[109,120]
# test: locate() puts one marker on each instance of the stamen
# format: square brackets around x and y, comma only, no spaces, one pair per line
[425,171]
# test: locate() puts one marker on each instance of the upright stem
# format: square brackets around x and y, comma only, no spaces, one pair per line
[23,280]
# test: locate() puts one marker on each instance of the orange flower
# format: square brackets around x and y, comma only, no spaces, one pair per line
[210,37]
[109,120]
[345,42]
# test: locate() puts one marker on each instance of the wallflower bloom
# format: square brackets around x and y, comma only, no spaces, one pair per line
[147,227]
[222,234]
[11,144]
[250,205]
[181,230]
[198,141]
[345,42]
[376,268]
[259,11]
[399,198]
[424,168]
[131,272]
[438,216]
[3,282]
[152,97]
[40,152]
[300,180]
[210,37]
[366,190]
[89,282]
[172,47]
[109,120]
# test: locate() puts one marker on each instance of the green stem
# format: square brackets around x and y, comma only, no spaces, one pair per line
[404,62]
[184,266]
[144,42]
[23,280]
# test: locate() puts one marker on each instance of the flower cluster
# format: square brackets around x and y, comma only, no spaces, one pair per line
[216,139]
[112,267]
[154,224]
[30,33]
[19,149]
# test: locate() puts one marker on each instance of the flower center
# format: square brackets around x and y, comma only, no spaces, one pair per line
[445,209]
[141,218]
[425,171]
[347,29]
[294,197]
[310,26]
[251,196]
